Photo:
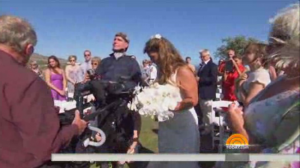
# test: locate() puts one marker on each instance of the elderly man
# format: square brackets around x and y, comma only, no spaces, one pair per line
[35,68]
[87,64]
[29,125]
[207,76]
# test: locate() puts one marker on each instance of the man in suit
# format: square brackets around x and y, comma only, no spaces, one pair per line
[207,78]
[29,125]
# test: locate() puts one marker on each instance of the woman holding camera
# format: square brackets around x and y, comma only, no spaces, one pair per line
[230,71]
[95,63]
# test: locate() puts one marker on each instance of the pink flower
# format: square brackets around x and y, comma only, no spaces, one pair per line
[296,164]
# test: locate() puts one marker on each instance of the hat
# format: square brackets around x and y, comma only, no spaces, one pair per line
[123,36]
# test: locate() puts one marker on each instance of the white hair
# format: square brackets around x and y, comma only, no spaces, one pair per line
[205,51]
[16,33]
[286,31]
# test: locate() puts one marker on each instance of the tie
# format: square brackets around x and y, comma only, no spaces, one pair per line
[202,65]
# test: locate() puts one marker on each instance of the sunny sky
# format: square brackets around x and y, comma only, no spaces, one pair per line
[66,27]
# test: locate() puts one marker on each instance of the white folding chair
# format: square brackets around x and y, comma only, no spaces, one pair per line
[64,105]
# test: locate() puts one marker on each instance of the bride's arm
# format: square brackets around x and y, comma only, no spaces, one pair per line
[188,88]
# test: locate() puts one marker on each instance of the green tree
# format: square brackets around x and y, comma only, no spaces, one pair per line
[237,44]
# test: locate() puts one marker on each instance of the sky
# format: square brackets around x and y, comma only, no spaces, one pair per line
[68,27]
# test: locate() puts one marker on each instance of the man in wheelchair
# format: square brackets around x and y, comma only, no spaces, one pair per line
[112,86]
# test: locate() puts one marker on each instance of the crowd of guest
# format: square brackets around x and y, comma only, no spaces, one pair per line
[63,80]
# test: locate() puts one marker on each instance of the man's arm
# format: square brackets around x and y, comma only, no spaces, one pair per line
[212,78]
[135,74]
[37,120]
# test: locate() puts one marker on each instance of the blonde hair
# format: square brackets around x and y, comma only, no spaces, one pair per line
[285,31]
[16,33]
[169,58]
[259,50]
[96,59]
[72,56]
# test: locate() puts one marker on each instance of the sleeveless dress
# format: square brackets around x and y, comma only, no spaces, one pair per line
[274,125]
[57,81]
[180,134]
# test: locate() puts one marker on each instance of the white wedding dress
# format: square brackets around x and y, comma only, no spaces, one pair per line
[180,134]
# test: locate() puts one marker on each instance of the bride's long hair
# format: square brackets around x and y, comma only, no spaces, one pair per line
[169,59]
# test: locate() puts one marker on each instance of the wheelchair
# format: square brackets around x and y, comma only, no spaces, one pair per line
[110,118]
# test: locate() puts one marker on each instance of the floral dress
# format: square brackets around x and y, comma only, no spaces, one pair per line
[273,123]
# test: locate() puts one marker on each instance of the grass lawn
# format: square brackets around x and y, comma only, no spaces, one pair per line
[148,138]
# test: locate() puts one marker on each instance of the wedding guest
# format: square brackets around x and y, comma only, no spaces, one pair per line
[145,70]
[73,73]
[271,120]
[257,78]
[35,68]
[152,72]
[30,130]
[95,62]
[207,86]
[87,64]
[188,60]
[238,64]
[179,134]
[56,79]
[230,73]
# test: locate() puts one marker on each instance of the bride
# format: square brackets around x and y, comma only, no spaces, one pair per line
[179,134]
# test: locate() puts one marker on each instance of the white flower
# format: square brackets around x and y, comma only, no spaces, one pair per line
[155,100]
[156,36]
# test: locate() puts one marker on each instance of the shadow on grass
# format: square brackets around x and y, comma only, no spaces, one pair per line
[155,131]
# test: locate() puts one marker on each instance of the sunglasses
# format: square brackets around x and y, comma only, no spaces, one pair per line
[87,55]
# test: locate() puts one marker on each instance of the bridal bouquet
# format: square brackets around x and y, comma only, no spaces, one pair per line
[155,100]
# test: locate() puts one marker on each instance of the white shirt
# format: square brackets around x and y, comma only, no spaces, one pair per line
[86,65]
[145,72]
[153,72]
[202,65]
[260,75]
